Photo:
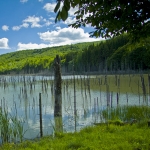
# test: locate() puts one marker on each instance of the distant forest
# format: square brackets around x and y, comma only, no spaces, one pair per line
[116,54]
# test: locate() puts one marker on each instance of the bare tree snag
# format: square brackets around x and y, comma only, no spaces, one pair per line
[57,87]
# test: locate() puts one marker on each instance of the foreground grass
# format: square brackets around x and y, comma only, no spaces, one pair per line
[103,137]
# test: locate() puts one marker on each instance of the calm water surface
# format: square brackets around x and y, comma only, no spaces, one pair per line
[20,96]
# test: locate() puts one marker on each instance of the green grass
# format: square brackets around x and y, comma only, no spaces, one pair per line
[11,128]
[128,113]
[131,137]
[115,134]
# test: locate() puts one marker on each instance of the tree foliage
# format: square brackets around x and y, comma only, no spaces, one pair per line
[114,54]
[109,17]
[38,60]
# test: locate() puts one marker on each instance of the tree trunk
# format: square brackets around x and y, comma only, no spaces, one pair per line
[57,87]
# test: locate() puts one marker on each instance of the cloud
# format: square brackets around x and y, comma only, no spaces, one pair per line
[24,25]
[23,1]
[49,7]
[58,28]
[66,36]
[34,21]
[70,20]
[72,11]
[5,27]
[40,0]
[16,28]
[4,43]
[47,23]
[22,46]
[52,18]
[62,36]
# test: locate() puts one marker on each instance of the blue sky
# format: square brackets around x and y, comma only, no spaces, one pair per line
[30,24]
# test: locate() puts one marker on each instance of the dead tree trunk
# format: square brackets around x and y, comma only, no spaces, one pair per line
[57,88]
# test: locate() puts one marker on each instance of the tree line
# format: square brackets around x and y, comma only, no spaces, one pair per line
[114,54]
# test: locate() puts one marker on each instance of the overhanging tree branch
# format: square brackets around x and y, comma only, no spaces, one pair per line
[109,18]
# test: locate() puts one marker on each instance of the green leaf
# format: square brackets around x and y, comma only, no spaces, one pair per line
[64,13]
[67,5]
[57,7]
[77,1]
[58,17]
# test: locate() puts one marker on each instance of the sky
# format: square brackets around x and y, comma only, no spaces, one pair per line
[30,24]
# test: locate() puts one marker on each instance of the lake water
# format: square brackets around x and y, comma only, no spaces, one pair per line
[20,97]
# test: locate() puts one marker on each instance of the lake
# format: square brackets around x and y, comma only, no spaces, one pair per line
[20,97]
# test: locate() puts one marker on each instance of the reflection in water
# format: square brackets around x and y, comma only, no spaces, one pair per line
[20,96]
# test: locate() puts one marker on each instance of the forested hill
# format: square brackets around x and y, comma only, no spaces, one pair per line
[114,54]
[37,60]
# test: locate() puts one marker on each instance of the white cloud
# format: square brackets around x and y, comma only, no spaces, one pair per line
[40,0]
[62,36]
[25,25]
[51,18]
[22,46]
[34,21]
[70,20]
[47,23]
[23,1]
[5,27]
[4,43]
[72,11]
[66,36]
[16,28]
[49,7]
[58,28]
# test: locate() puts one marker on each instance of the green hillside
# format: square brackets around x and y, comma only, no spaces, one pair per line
[109,55]
[33,61]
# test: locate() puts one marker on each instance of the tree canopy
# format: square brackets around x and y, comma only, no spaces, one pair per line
[109,17]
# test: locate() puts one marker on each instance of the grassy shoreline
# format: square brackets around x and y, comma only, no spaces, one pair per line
[115,134]
[110,136]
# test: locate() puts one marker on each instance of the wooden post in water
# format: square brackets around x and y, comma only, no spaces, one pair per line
[58,95]
[111,99]
[40,110]
[117,99]
[143,88]
[108,95]
[127,97]
[149,86]
[75,111]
